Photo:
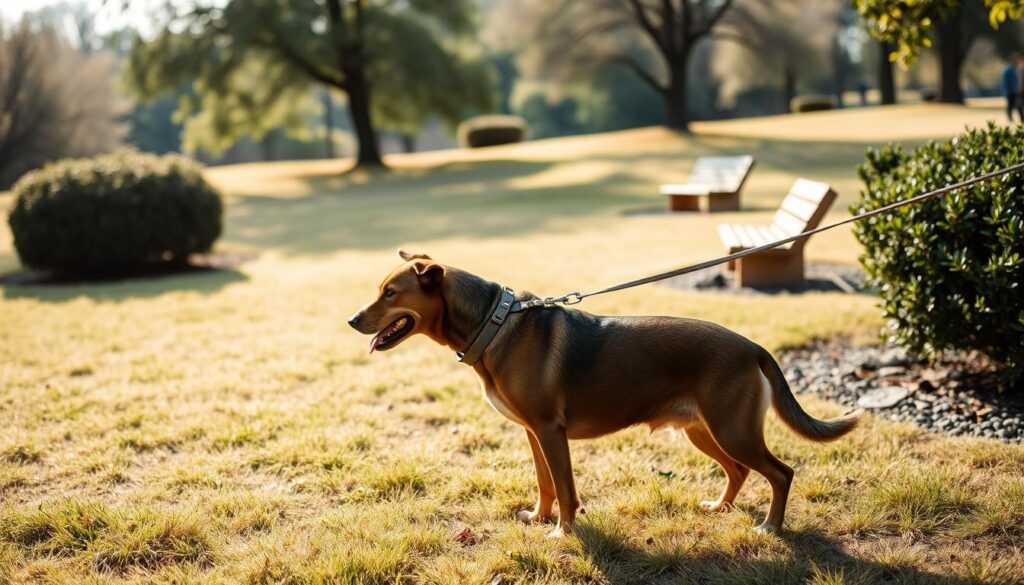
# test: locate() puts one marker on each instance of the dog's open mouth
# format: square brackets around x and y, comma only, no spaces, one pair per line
[392,334]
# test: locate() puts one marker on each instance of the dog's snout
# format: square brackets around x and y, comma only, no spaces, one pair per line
[355,319]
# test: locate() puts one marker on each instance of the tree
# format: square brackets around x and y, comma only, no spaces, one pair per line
[886,79]
[953,24]
[396,62]
[908,25]
[653,40]
[55,102]
[787,35]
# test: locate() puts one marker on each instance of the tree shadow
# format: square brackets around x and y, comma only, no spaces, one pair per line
[199,279]
[488,198]
[451,200]
[811,551]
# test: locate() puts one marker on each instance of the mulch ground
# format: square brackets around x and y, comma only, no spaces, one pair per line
[960,394]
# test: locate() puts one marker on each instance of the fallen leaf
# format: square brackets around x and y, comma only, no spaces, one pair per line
[465,537]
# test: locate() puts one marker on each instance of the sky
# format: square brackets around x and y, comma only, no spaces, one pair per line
[107,17]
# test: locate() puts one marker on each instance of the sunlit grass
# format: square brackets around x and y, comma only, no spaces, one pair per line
[230,428]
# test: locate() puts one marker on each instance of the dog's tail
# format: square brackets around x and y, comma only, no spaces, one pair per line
[791,413]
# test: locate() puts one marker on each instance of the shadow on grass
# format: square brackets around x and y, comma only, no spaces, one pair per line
[496,198]
[385,218]
[197,279]
[813,554]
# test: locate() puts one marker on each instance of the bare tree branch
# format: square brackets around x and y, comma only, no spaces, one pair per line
[312,70]
[640,13]
[710,21]
[641,72]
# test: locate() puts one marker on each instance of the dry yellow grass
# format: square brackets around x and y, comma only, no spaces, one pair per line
[230,428]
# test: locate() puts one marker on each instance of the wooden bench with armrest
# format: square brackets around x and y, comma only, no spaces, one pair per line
[802,210]
[714,185]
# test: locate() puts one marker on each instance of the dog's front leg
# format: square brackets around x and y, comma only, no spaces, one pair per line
[555,447]
[545,487]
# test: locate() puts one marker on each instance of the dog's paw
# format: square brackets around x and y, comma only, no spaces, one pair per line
[766,528]
[529,517]
[714,505]
[559,532]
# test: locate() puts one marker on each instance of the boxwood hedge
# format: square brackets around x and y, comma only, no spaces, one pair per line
[951,269]
[493,130]
[114,214]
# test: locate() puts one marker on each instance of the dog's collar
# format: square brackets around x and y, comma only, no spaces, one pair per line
[506,304]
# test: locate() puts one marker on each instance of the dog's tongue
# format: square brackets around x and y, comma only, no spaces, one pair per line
[375,341]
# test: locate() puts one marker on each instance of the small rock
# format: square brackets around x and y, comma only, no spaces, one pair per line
[893,357]
[891,371]
[884,397]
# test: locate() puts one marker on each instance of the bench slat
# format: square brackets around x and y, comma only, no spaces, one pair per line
[728,236]
[723,174]
[813,191]
[789,223]
[799,207]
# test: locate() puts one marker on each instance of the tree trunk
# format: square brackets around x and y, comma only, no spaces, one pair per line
[886,82]
[328,123]
[840,68]
[408,143]
[950,59]
[267,146]
[676,113]
[788,87]
[359,109]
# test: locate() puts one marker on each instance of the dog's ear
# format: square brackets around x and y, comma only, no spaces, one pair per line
[429,273]
[407,256]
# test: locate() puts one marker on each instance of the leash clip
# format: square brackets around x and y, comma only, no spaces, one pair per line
[572,298]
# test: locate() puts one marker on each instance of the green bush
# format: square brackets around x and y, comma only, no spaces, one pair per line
[114,214]
[491,131]
[812,103]
[950,269]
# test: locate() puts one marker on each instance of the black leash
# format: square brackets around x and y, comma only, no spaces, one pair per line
[575,297]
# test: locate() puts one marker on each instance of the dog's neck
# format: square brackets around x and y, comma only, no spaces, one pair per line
[468,301]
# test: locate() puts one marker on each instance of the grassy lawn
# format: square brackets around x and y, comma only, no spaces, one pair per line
[230,428]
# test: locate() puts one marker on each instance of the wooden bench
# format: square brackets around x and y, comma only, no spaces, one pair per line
[714,181]
[802,210]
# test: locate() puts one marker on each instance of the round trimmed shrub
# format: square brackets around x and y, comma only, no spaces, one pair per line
[114,214]
[812,103]
[950,269]
[491,131]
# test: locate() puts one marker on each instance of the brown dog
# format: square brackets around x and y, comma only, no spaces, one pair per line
[565,374]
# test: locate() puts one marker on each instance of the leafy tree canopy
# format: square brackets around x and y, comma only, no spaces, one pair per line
[908,24]
[397,62]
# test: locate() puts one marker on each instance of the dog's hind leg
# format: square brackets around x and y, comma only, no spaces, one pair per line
[735,472]
[545,487]
[739,431]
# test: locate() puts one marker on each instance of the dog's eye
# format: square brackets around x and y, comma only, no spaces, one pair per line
[389,293]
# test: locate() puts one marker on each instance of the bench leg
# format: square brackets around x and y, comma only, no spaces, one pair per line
[723,202]
[770,270]
[684,202]
[730,266]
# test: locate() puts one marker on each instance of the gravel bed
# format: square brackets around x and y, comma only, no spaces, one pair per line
[820,276]
[959,395]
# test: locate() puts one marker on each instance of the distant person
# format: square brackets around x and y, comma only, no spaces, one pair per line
[1020,86]
[862,89]
[1012,87]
